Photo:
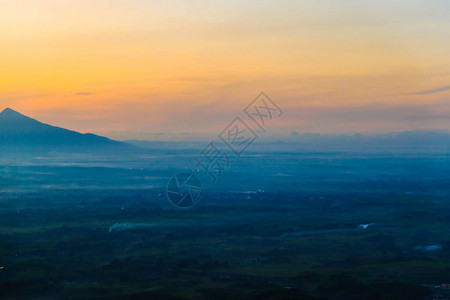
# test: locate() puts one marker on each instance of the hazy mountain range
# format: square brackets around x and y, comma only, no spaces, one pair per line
[19,132]
[417,141]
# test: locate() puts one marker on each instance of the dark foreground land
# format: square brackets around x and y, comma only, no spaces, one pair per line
[274,226]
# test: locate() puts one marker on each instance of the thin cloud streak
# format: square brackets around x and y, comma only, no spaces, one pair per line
[433,91]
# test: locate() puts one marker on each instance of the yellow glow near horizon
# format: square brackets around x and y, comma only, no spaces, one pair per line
[104,61]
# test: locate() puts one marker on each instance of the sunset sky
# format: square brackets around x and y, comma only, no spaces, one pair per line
[158,69]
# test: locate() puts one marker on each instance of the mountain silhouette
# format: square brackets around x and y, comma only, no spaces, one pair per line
[19,131]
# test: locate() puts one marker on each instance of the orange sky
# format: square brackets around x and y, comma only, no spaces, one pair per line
[130,69]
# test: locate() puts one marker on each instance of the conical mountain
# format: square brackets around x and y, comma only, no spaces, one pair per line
[18,130]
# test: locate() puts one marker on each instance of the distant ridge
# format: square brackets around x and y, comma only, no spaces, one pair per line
[19,131]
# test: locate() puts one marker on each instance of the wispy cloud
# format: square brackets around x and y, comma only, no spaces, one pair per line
[433,91]
[83,94]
